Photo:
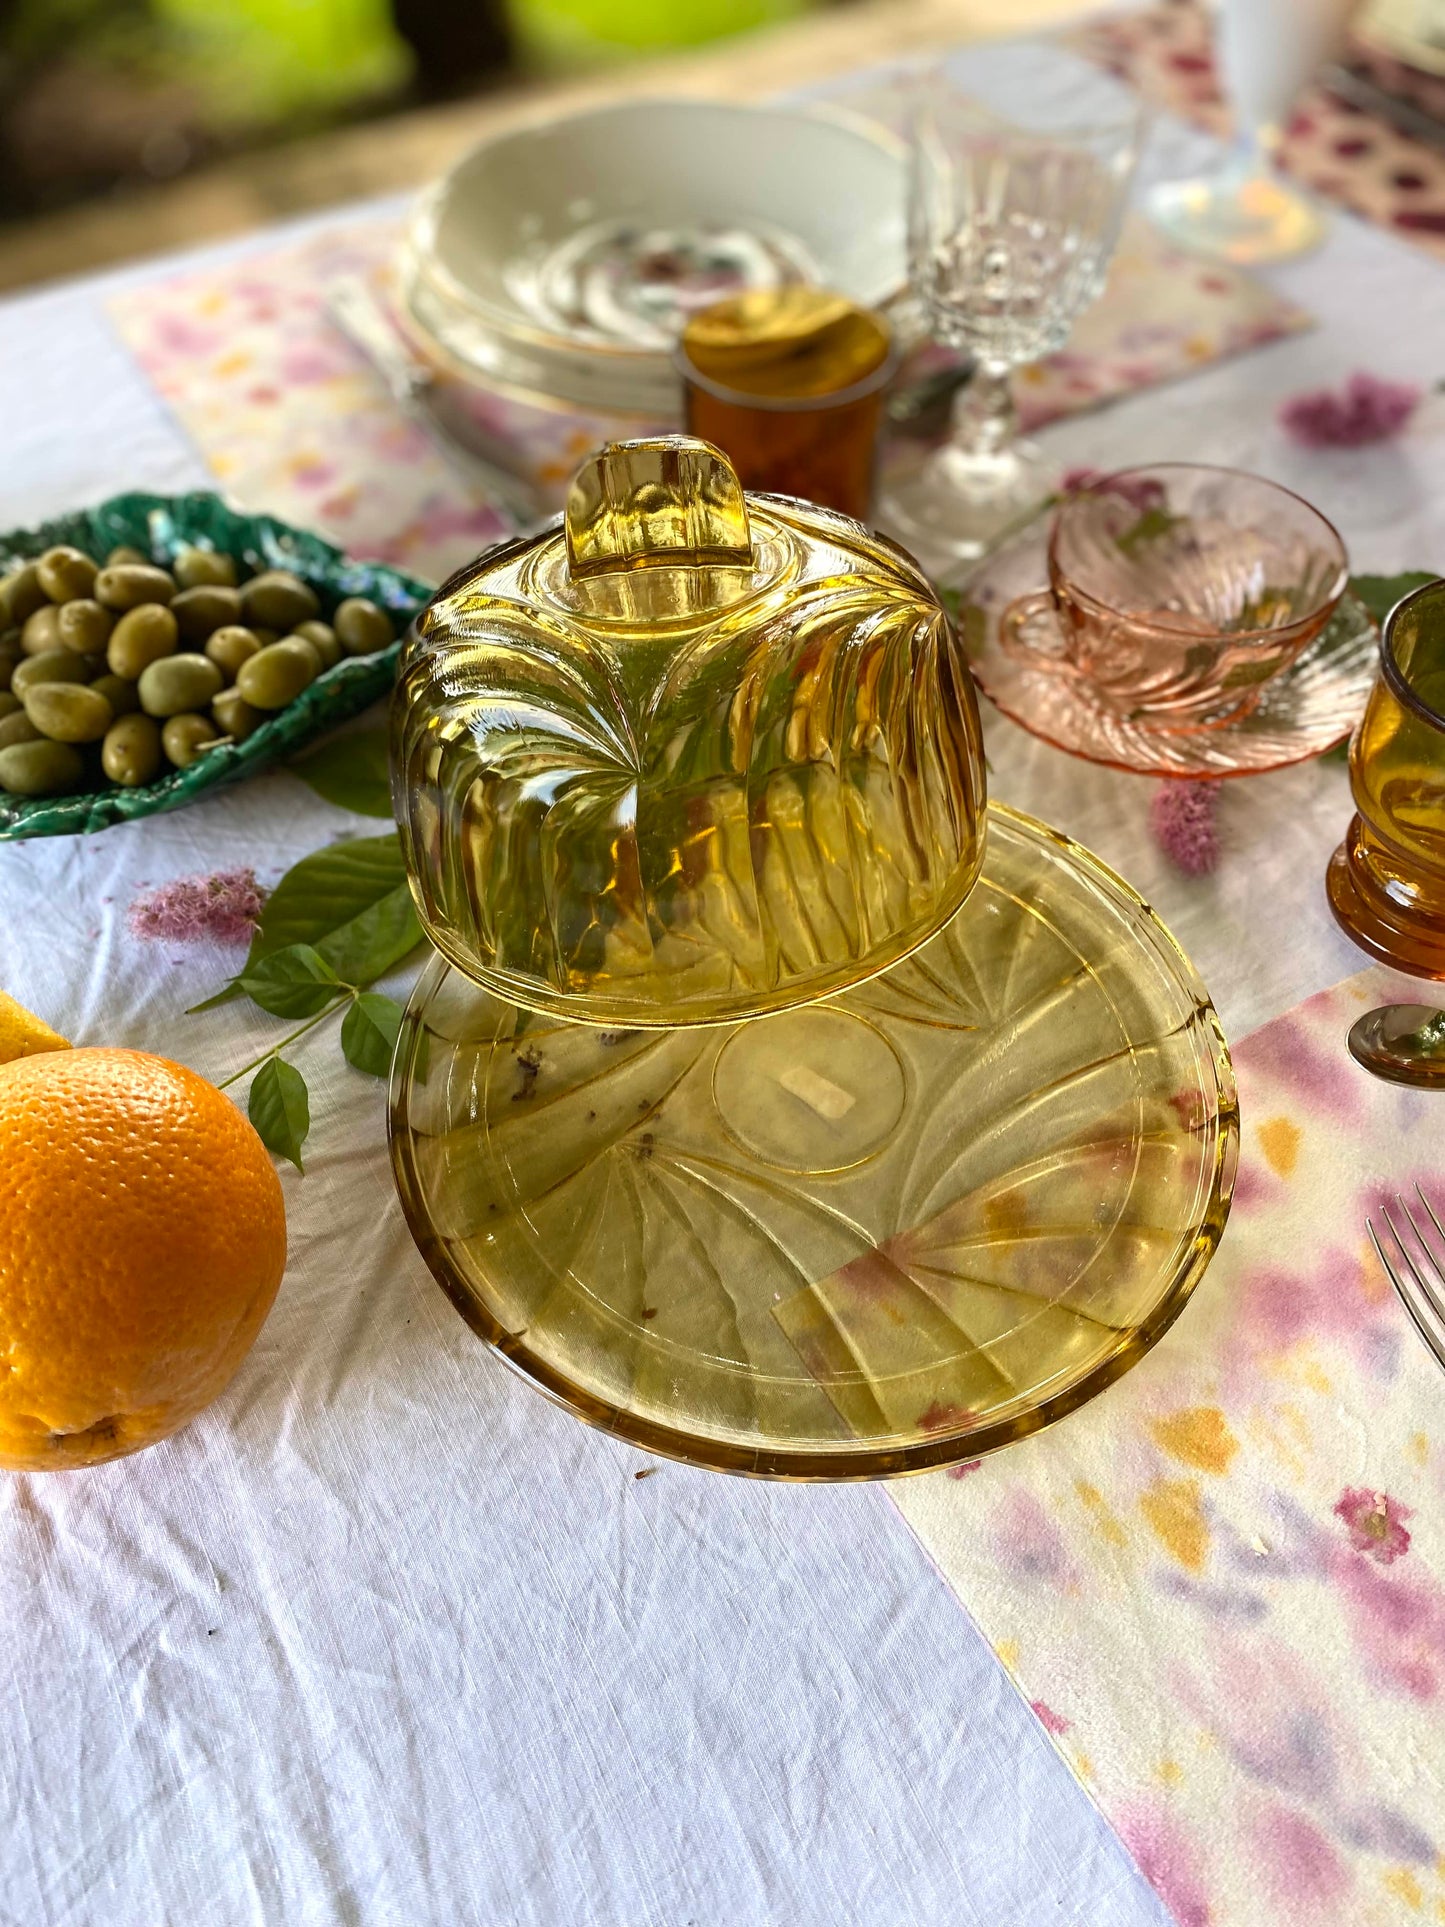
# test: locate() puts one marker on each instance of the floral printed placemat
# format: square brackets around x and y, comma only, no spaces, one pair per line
[1332,145]
[291,418]
[287,413]
[1222,1585]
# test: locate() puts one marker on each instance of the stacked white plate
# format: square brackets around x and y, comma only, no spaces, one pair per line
[561,261]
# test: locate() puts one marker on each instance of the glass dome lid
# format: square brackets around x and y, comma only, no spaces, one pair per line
[688,755]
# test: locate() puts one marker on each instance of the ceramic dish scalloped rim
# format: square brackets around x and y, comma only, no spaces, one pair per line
[159,525]
[1260,743]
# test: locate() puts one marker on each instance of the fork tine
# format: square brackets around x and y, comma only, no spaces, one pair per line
[1402,1291]
[1432,1296]
[1431,1209]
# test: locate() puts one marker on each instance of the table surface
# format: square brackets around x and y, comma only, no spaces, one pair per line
[385,1636]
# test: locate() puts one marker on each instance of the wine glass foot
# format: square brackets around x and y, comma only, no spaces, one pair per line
[1247,218]
[954,506]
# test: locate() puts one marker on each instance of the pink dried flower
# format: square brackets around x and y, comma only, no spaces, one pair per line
[1142,492]
[1182,817]
[223,908]
[1365,410]
[1376,1523]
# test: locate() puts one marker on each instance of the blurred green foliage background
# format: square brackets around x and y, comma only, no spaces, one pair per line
[97,95]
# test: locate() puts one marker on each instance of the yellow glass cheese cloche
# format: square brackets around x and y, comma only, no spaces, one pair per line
[688,756]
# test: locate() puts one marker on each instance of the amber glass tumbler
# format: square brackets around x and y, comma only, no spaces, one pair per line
[789,383]
[1386,881]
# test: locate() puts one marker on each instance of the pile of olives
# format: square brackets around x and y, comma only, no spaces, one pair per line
[151,666]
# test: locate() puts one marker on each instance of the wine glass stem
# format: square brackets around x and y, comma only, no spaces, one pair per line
[985,421]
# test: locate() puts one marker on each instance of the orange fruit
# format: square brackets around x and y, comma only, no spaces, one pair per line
[142,1240]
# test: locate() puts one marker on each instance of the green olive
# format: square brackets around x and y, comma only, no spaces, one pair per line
[276,675]
[40,768]
[68,712]
[84,626]
[363,626]
[42,631]
[17,728]
[22,593]
[119,557]
[323,640]
[131,583]
[131,752]
[235,717]
[228,648]
[264,636]
[202,610]
[65,573]
[184,738]
[279,599]
[119,692]
[204,568]
[56,665]
[175,684]
[9,662]
[142,636]
[9,704]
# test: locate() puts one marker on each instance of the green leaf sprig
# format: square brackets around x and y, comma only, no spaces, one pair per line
[336,922]
[1380,593]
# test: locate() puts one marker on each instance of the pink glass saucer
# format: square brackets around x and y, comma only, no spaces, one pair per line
[1304,710]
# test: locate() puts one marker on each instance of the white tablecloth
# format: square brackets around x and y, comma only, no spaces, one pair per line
[384,1637]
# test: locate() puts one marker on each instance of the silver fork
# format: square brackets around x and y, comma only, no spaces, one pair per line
[1421,1293]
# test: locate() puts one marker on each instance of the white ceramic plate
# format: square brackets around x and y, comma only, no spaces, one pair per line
[577,248]
[456,339]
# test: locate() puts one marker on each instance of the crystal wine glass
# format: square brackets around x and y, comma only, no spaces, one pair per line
[1268,49]
[1010,232]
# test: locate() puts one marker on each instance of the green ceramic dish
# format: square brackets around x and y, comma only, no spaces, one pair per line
[160,525]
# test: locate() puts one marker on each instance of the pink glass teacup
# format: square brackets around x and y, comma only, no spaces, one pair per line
[1175,592]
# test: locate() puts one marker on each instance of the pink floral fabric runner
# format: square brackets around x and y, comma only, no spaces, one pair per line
[1222,1585]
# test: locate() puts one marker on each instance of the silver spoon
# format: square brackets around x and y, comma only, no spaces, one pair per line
[1403,1043]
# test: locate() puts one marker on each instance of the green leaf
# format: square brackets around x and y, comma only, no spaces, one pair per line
[1380,593]
[1244,674]
[326,890]
[295,982]
[369,1031]
[350,771]
[1152,526]
[318,900]
[371,944]
[280,1109]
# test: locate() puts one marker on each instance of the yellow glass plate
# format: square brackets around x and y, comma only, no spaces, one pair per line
[884,1232]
